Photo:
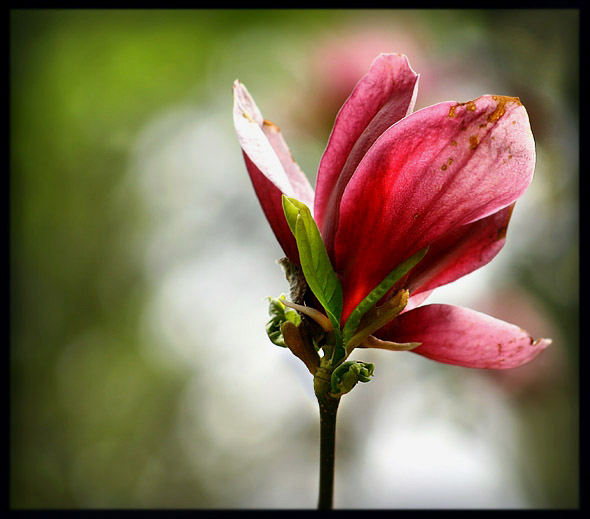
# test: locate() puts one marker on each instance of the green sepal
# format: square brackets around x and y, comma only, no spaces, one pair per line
[315,262]
[378,292]
[378,317]
[279,313]
[348,374]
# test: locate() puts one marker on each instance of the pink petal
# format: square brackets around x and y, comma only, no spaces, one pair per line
[416,300]
[439,168]
[382,97]
[464,337]
[460,251]
[270,165]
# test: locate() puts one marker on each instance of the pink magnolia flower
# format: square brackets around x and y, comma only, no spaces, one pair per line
[391,182]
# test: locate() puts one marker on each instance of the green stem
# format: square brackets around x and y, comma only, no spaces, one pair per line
[328,409]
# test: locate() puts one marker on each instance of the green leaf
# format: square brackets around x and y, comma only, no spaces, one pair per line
[292,208]
[315,263]
[378,292]
[279,314]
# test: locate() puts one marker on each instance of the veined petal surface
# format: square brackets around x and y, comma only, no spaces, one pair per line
[382,97]
[440,168]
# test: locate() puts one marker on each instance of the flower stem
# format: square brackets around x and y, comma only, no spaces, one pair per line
[328,409]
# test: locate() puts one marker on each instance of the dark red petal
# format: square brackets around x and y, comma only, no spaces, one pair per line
[382,97]
[438,169]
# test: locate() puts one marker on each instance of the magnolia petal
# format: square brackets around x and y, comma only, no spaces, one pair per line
[382,97]
[248,123]
[269,197]
[460,251]
[464,337]
[299,182]
[416,300]
[439,168]
[270,165]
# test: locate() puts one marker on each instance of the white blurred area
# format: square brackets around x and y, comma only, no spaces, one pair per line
[419,435]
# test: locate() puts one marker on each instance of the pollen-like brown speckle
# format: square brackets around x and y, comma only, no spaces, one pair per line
[501,107]
[473,142]
[271,125]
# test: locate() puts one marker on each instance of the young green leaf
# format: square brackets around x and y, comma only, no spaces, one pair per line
[348,374]
[315,263]
[378,292]
[292,208]
[279,314]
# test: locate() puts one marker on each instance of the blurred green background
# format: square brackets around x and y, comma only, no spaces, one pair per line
[140,373]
